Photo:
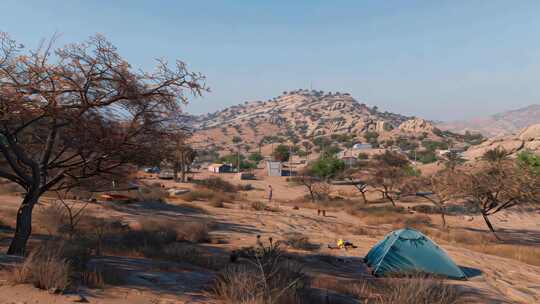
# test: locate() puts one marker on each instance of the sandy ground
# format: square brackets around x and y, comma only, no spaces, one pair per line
[499,280]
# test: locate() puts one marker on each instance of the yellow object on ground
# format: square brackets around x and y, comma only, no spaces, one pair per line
[340,243]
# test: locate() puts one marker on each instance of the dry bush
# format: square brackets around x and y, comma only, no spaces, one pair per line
[198,195]
[245,187]
[417,221]
[98,276]
[357,289]
[427,209]
[397,217]
[258,206]
[267,277]
[153,192]
[196,232]
[300,241]
[52,219]
[421,290]
[363,211]
[45,268]
[189,254]
[152,237]
[376,220]
[217,184]
[412,290]
[321,191]
[221,197]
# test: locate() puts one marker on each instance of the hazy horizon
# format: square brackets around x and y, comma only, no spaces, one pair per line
[445,60]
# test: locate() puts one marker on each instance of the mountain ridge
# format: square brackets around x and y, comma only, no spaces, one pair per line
[499,124]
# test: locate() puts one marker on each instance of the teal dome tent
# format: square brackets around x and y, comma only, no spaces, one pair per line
[409,251]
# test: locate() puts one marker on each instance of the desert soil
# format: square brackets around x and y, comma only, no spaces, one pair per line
[499,280]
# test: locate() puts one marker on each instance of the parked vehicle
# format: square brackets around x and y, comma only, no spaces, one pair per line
[152,170]
[166,174]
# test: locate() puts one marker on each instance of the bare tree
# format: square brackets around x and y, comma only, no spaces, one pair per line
[79,112]
[357,177]
[441,190]
[305,178]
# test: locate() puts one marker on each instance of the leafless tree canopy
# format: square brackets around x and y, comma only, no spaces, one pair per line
[78,112]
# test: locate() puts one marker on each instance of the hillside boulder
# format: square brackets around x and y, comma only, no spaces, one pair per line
[531,133]
[416,125]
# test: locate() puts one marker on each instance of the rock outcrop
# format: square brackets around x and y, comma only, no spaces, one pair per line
[416,125]
[527,139]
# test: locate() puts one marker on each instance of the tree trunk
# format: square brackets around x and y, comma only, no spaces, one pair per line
[385,194]
[183,172]
[175,171]
[311,194]
[23,227]
[364,197]
[443,218]
[490,226]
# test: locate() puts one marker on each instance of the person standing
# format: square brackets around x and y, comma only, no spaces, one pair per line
[269,193]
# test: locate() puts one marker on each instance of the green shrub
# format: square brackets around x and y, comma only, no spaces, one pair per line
[530,161]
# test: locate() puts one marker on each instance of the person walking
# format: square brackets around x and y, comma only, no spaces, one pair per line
[269,193]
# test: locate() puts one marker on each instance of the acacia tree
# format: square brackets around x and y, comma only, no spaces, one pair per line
[389,174]
[71,114]
[307,179]
[493,189]
[177,152]
[441,189]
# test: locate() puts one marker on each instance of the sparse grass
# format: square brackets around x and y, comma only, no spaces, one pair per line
[52,219]
[397,217]
[412,290]
[267,277]
[526,254]
[198,195]
[208,195]
[485,243]
[152,192]
[300,241]
[416,221]
[98,276]
[189,254]
[421,290]
[195,232]
[45,268]
[217,184]
[260,206]
[153,238]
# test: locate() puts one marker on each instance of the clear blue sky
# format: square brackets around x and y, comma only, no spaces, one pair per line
[435,59]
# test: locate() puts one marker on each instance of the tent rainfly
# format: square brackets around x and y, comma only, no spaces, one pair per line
[409,251]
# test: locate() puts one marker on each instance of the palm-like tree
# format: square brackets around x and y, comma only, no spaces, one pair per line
[495,156]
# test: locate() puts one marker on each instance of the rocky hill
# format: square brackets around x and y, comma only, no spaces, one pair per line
[527,139]
[303,115]
[505,123]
